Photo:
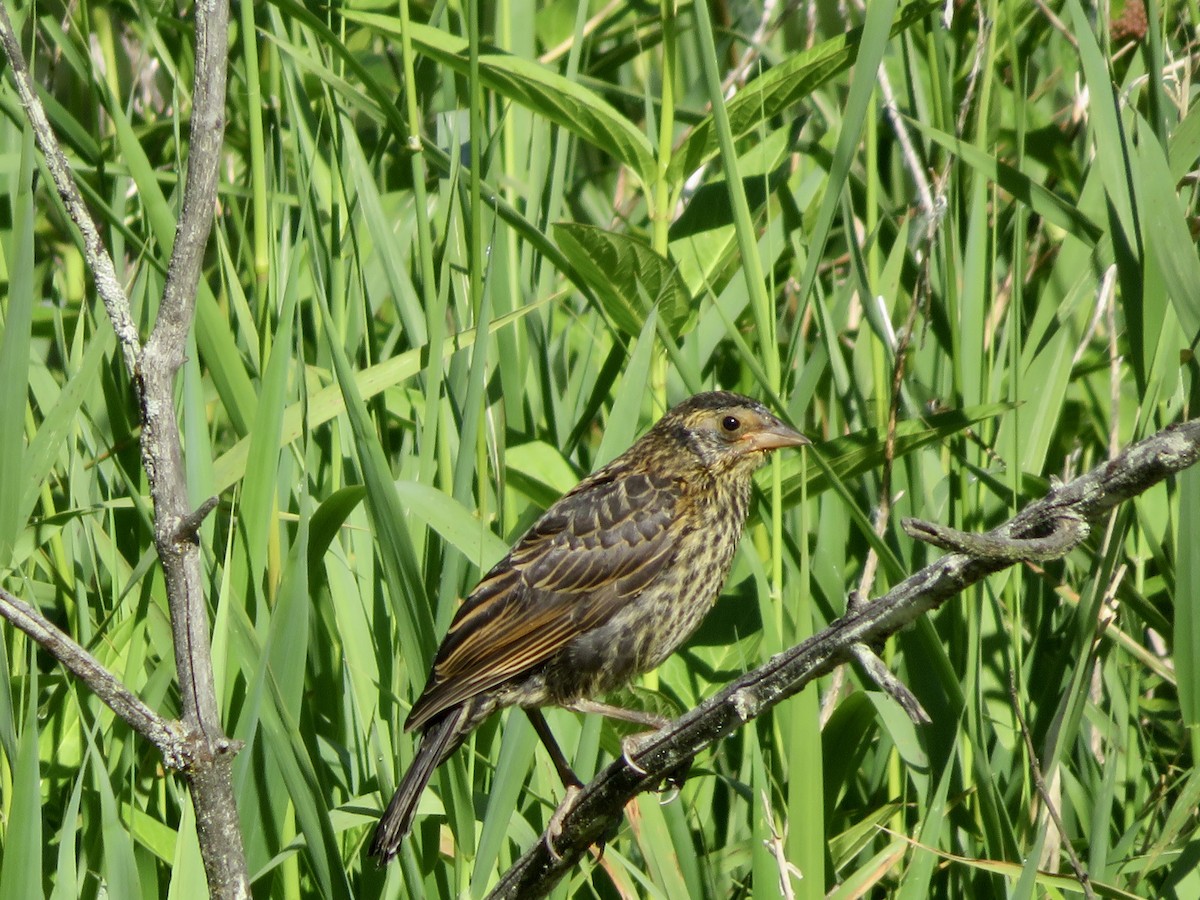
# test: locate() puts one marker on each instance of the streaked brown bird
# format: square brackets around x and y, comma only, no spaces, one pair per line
[604,586]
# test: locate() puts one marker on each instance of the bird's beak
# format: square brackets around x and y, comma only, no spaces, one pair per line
[773,437]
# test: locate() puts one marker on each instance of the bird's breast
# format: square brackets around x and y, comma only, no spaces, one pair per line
[654,623]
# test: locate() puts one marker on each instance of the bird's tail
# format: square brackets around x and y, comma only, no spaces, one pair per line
[440,738]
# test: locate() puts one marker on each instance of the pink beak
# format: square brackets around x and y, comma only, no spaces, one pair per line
[773,437]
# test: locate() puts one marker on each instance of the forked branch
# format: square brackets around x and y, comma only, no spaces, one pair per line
[197,744]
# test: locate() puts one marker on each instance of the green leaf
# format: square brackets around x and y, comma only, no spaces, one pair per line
[52,432]
[415,622]
[1168,240]
[1063,213]
[21,874]
[779,88]
[534,86]
[627,404]
[465,531]
[258,513]
[628,277]
[119,871]
[1186,637]
[326,522]
[14,353]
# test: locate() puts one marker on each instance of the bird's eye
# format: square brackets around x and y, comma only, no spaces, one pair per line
[731,423]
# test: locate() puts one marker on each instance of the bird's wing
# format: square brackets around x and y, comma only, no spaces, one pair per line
[589,554]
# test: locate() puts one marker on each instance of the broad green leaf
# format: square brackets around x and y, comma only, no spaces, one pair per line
[628,402]
[536,87]
[1104,118]
[459,526]
[325,523]
[187,868]
[543,462]
[1168,239]
[66,876]
[1185,144]
[629,278]
[921,864]
[119,871]
[258,511]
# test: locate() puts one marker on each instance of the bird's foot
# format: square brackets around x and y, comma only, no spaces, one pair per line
[554,829]
[672,780]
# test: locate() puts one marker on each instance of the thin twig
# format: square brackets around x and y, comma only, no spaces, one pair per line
[1039,783]
[1057,23]
[1066,532]
[189,526]
[163,733]
[108,286]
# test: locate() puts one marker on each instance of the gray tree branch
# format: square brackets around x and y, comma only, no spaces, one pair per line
[210,776]
[163,733]
[1059,519]
[207,754]
[108,286]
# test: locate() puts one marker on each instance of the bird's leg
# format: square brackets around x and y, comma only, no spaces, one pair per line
[569,778]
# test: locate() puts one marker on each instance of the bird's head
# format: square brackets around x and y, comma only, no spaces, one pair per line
[727,431]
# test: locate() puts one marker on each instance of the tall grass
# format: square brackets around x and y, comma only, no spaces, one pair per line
[464,257]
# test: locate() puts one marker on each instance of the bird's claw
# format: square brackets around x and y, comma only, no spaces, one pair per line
[631,744]
[554,829]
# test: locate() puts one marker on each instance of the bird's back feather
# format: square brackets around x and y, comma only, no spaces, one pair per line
[580,563]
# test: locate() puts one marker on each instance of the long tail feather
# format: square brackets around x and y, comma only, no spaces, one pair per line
[440,738]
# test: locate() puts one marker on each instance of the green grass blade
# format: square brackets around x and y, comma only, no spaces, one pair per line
[15,353]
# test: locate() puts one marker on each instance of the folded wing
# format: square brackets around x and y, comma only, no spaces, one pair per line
[591,553]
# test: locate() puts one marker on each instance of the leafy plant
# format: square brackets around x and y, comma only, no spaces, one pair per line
[465,254]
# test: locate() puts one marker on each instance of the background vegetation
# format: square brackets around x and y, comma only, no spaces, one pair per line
[461,262]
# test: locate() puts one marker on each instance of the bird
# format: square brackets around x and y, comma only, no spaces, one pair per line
[604,586]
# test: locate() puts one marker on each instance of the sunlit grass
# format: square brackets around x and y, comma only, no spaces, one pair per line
[402,355]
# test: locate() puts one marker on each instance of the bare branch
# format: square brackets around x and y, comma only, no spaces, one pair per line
[210,776]
[1067,531]
[101,264]
[164,734]
[879,673]
[208,752]
[206,136]
[599,806]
